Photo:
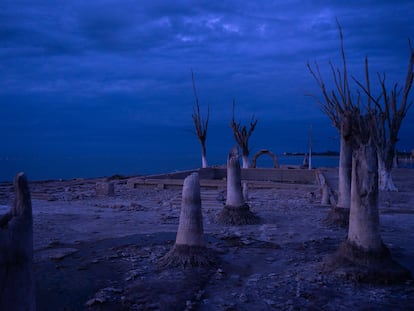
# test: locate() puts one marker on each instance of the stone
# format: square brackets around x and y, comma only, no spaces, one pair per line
[105,189]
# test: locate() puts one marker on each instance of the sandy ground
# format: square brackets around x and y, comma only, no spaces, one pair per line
[100,253]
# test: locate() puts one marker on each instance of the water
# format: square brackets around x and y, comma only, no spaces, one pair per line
[67,167]
[132,150]
[150,150]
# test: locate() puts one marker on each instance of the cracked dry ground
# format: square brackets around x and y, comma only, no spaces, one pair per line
[96,253]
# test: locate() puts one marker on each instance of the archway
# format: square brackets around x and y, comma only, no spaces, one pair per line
[269,153]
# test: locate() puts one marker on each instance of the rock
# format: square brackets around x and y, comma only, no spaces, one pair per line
[105,189]
[59,254]
[270,303]
[104,295]
[243,298]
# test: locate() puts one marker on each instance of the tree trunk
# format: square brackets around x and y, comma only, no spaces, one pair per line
[245,161]
[234,189]
[363,257]
[203,156]
[16,252]
[385,165]
[339,214]
[345,165]
[190,246]
[364,215]
[386,182]
[245,187]
[190,229]
[236,211]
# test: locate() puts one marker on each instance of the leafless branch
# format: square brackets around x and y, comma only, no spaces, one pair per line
[241,134]
[339,100]
[200,124]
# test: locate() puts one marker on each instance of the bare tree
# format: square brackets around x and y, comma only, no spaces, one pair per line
[337,105]
[363,256]
[389,118]
[200,124]
[242,136]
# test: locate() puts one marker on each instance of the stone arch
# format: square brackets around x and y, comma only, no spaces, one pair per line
[269,153]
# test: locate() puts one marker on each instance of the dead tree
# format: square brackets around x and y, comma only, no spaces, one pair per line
[200,124]
[391,113]
[363,256]
[16,252]
[337,105]
[190,248]
[242,136]
[236,211]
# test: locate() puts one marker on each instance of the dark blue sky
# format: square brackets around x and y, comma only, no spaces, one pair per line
[78,74]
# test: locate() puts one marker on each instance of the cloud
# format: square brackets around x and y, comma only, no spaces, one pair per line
[114,77]
[254,52]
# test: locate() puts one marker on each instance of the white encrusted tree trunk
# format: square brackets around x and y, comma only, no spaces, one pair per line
[363,256]
[386,182]
[234,188]
[190,229]
[245,186]
[339,214]
[245,161]
[203,156]
[16,252]
[363,229]
[345,164]
[190,246]
[235,211]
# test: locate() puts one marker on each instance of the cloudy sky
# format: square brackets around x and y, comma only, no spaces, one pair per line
[76,73]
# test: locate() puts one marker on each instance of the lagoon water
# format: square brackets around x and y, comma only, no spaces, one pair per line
[68,167]
[151,150]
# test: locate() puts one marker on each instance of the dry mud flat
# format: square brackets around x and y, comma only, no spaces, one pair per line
[100,253]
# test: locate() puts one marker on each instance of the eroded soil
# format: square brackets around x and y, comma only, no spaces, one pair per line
[100,253]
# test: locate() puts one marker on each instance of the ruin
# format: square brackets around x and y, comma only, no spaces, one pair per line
[262,152]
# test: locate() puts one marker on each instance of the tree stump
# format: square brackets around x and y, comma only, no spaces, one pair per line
[337,217]
[16,252]
[236,211]
[190,248]
[359,265]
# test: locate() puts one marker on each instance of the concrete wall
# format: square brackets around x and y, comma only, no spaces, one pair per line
[301,176]
[215,177]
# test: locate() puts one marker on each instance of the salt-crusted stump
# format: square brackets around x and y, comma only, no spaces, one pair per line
[363,257]
[16,252]
[190,248]
[337,217]
[236,211]
[359,265]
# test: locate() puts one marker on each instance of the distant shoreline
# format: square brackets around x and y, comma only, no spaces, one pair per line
[73,168]
[319,154]
[125,177]
[406,156]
